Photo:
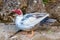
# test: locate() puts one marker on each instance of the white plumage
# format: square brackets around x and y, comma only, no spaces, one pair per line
[28,21]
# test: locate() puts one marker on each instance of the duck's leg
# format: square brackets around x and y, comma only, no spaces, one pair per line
[28,34]
[31,35]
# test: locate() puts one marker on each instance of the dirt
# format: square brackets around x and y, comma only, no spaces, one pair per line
[7,30]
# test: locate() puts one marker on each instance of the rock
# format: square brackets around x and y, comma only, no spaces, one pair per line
[51,20]
[54,9]
[35,6]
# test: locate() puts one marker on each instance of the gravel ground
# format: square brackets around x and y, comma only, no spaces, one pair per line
[7,30]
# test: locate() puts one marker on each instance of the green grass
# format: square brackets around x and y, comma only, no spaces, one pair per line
[45,1]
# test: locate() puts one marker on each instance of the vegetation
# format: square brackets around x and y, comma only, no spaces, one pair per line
[45,1]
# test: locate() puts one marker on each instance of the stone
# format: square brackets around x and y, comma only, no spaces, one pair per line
[53,8]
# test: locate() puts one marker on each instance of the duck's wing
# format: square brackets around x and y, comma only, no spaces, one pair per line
[38,20]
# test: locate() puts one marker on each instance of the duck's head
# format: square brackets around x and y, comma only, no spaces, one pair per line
[17,11]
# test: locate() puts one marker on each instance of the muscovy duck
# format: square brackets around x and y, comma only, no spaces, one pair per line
[27,22]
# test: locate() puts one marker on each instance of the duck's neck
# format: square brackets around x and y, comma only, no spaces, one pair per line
[18,19]
[20,15]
